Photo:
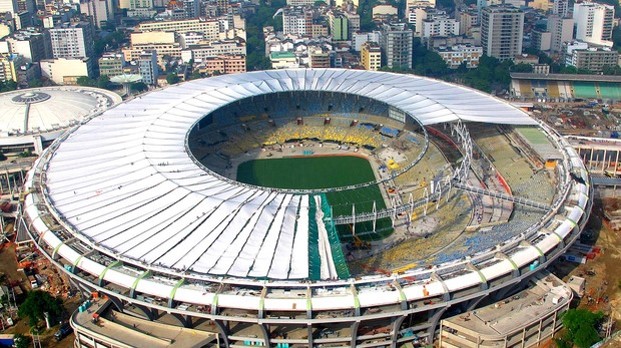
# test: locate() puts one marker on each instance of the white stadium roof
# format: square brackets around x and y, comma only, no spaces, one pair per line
[126,183]
[48,109]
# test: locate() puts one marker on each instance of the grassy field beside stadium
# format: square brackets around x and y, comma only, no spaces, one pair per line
[316,173]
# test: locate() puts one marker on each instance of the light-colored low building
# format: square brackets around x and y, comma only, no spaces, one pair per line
[111,64]
[224,64]
[526,319]
[284,60]
[594,58]
[65,70]
[454,56]
[202,51]
[384,10]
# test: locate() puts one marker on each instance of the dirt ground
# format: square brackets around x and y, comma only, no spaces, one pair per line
[8,266]
[603,273]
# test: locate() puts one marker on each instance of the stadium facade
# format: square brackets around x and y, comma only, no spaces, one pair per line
[125,209]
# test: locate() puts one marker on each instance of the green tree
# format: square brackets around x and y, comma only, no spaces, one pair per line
[195,75]
[522,67]
[581,326]
[139,87]
[8,86]
[102,81]
[172,78]
[86,81]
[21,341]
[38,302]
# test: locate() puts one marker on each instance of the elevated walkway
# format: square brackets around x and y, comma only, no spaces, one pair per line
[503,196]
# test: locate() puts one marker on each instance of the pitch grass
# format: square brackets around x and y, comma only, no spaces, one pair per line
[323,172]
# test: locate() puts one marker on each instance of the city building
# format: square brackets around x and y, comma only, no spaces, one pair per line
[561,30]
[495,325]
[284,60]
[72,40]
[384,11]
[319,30]
[111,64]
[502,29]
[100,11]
[297,20]
[416,16]
[202,51]
[440,25]
[459,54]
[224,64]
[467,20]
[419,3]
[210,28]
[300,2]
[359,39]
[526,58]
[353,22]
[371,56]
[339,26]
[148,67]
[594,23]
[5,30]
[541,40]
[163,43]
[591,58]
[191,8]
[318,57]
[561,8]
[544,5]
[397,45]
[542,69]
[190,38]
[66,71]
[8,68]
[28,43]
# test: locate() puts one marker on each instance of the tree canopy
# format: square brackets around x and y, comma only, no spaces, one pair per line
[581,326]
[38,302]
[172,78]
[102,81]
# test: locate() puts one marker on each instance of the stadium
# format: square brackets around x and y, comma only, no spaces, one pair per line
[297,208]
[565,87]
[31,119]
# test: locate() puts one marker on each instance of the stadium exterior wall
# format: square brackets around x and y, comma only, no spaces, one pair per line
[413,302]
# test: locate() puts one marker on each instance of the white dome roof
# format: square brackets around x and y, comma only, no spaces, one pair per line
[41,110]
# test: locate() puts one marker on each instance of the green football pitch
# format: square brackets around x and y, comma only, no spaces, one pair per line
[318,173]
[324,172]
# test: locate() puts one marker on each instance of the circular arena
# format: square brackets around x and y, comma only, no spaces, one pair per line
[31,119]
[297,208]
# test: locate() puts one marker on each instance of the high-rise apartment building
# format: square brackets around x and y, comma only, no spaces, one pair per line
[502,30]
[72,40]
[561,8]
[371,56]
[397,45]
[441,25]
[339,26]
[148,68]
[561,30]
[594,23]
[100,11]
[297,20]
